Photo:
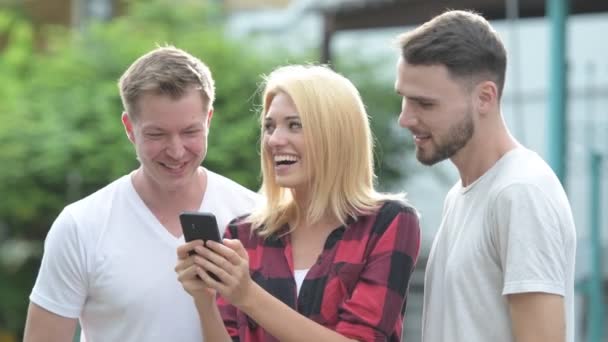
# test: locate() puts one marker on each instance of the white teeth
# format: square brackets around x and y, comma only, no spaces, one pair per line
[285,158]
[173,166]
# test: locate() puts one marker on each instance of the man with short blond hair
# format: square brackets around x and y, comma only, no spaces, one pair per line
[109,258]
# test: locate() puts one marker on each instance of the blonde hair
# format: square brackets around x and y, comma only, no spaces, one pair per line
[168,71]
[338,145]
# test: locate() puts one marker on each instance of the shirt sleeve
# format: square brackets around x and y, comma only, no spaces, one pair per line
[531,242]
[61,286]
[375,307]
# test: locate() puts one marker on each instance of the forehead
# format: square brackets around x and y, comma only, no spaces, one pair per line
[165,110]
[424,80]
[281,105]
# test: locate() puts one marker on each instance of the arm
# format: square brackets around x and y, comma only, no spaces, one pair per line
[537,317]
[211,321]
[371,313]
[536,249]
[239,289]
[375,308]
[59,293]
[43,325]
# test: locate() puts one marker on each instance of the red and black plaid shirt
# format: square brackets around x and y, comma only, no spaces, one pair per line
[357,287]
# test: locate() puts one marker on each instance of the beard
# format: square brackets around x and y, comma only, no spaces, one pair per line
[456,138]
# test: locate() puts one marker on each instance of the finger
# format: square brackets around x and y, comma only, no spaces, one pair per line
[205,266]
[187,274]
[183,250]
[182,264]
[205,254]
[228,251]
[237,247]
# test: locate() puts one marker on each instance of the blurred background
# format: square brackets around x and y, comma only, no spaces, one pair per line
[61,136]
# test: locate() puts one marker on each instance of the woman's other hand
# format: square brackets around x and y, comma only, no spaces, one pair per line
[187,272]
[230,263]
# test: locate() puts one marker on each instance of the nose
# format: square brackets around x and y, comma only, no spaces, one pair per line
[175,148]
[407,118]
[276,138]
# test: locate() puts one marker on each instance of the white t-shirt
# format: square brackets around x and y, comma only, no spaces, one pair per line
[511,231]
[110,262]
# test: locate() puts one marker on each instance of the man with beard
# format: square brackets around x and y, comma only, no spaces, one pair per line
[501,267]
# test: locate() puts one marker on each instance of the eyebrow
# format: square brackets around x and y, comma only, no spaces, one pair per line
[416,98]
[420,99]
[290,117]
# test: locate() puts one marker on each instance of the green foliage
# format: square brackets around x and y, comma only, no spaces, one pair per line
[60,127]
[383,105]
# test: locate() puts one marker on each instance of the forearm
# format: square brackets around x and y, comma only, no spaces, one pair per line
[212,323]
[272,314]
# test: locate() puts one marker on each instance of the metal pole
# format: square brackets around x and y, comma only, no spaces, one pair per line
[596,315]
[512,11]
[556,115]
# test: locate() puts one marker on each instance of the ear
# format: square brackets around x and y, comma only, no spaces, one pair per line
[209,115]
[486,97]
[128,124]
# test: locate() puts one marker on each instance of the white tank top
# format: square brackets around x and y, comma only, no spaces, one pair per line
[299,276]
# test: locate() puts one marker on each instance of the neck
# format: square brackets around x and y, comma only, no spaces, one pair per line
[303,201]
[485,148]
[187,196]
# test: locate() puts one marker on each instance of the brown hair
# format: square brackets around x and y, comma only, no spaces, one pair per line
[463,41]
[168,71]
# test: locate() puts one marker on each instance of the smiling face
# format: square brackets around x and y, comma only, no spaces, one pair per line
[283,141]
[170,138]
[436,109]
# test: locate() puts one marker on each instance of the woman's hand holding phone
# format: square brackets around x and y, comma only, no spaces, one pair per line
[187,274]
[230,262]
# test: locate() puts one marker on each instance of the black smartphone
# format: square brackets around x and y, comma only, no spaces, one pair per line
[200,226]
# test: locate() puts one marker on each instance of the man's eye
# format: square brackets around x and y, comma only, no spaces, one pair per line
[154,135]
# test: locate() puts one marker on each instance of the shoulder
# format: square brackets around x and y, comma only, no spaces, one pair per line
[83,217]
[393,213]
[239,227]
[100,199]
[227,186]
[524,167]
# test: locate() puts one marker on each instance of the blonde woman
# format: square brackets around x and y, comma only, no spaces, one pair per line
[327,258]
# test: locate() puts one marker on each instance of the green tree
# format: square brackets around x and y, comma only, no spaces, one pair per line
[60,127]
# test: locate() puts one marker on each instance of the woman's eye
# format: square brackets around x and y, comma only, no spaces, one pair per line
[268,128]
[294,125]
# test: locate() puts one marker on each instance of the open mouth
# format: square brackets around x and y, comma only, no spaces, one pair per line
[285,160]
[421,138]
[174,168]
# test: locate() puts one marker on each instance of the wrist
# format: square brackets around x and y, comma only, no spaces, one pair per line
[205,303]
[252,294]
